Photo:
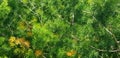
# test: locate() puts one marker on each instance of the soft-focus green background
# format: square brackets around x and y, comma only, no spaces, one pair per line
[59,28]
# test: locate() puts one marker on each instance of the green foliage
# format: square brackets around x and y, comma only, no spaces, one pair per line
[4,9]
[59,29]
[2,39]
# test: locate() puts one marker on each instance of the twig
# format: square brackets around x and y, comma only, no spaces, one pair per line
[101,50]
[114,37]
[74,37]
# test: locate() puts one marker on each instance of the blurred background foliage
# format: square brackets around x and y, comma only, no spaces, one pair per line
[60,28]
